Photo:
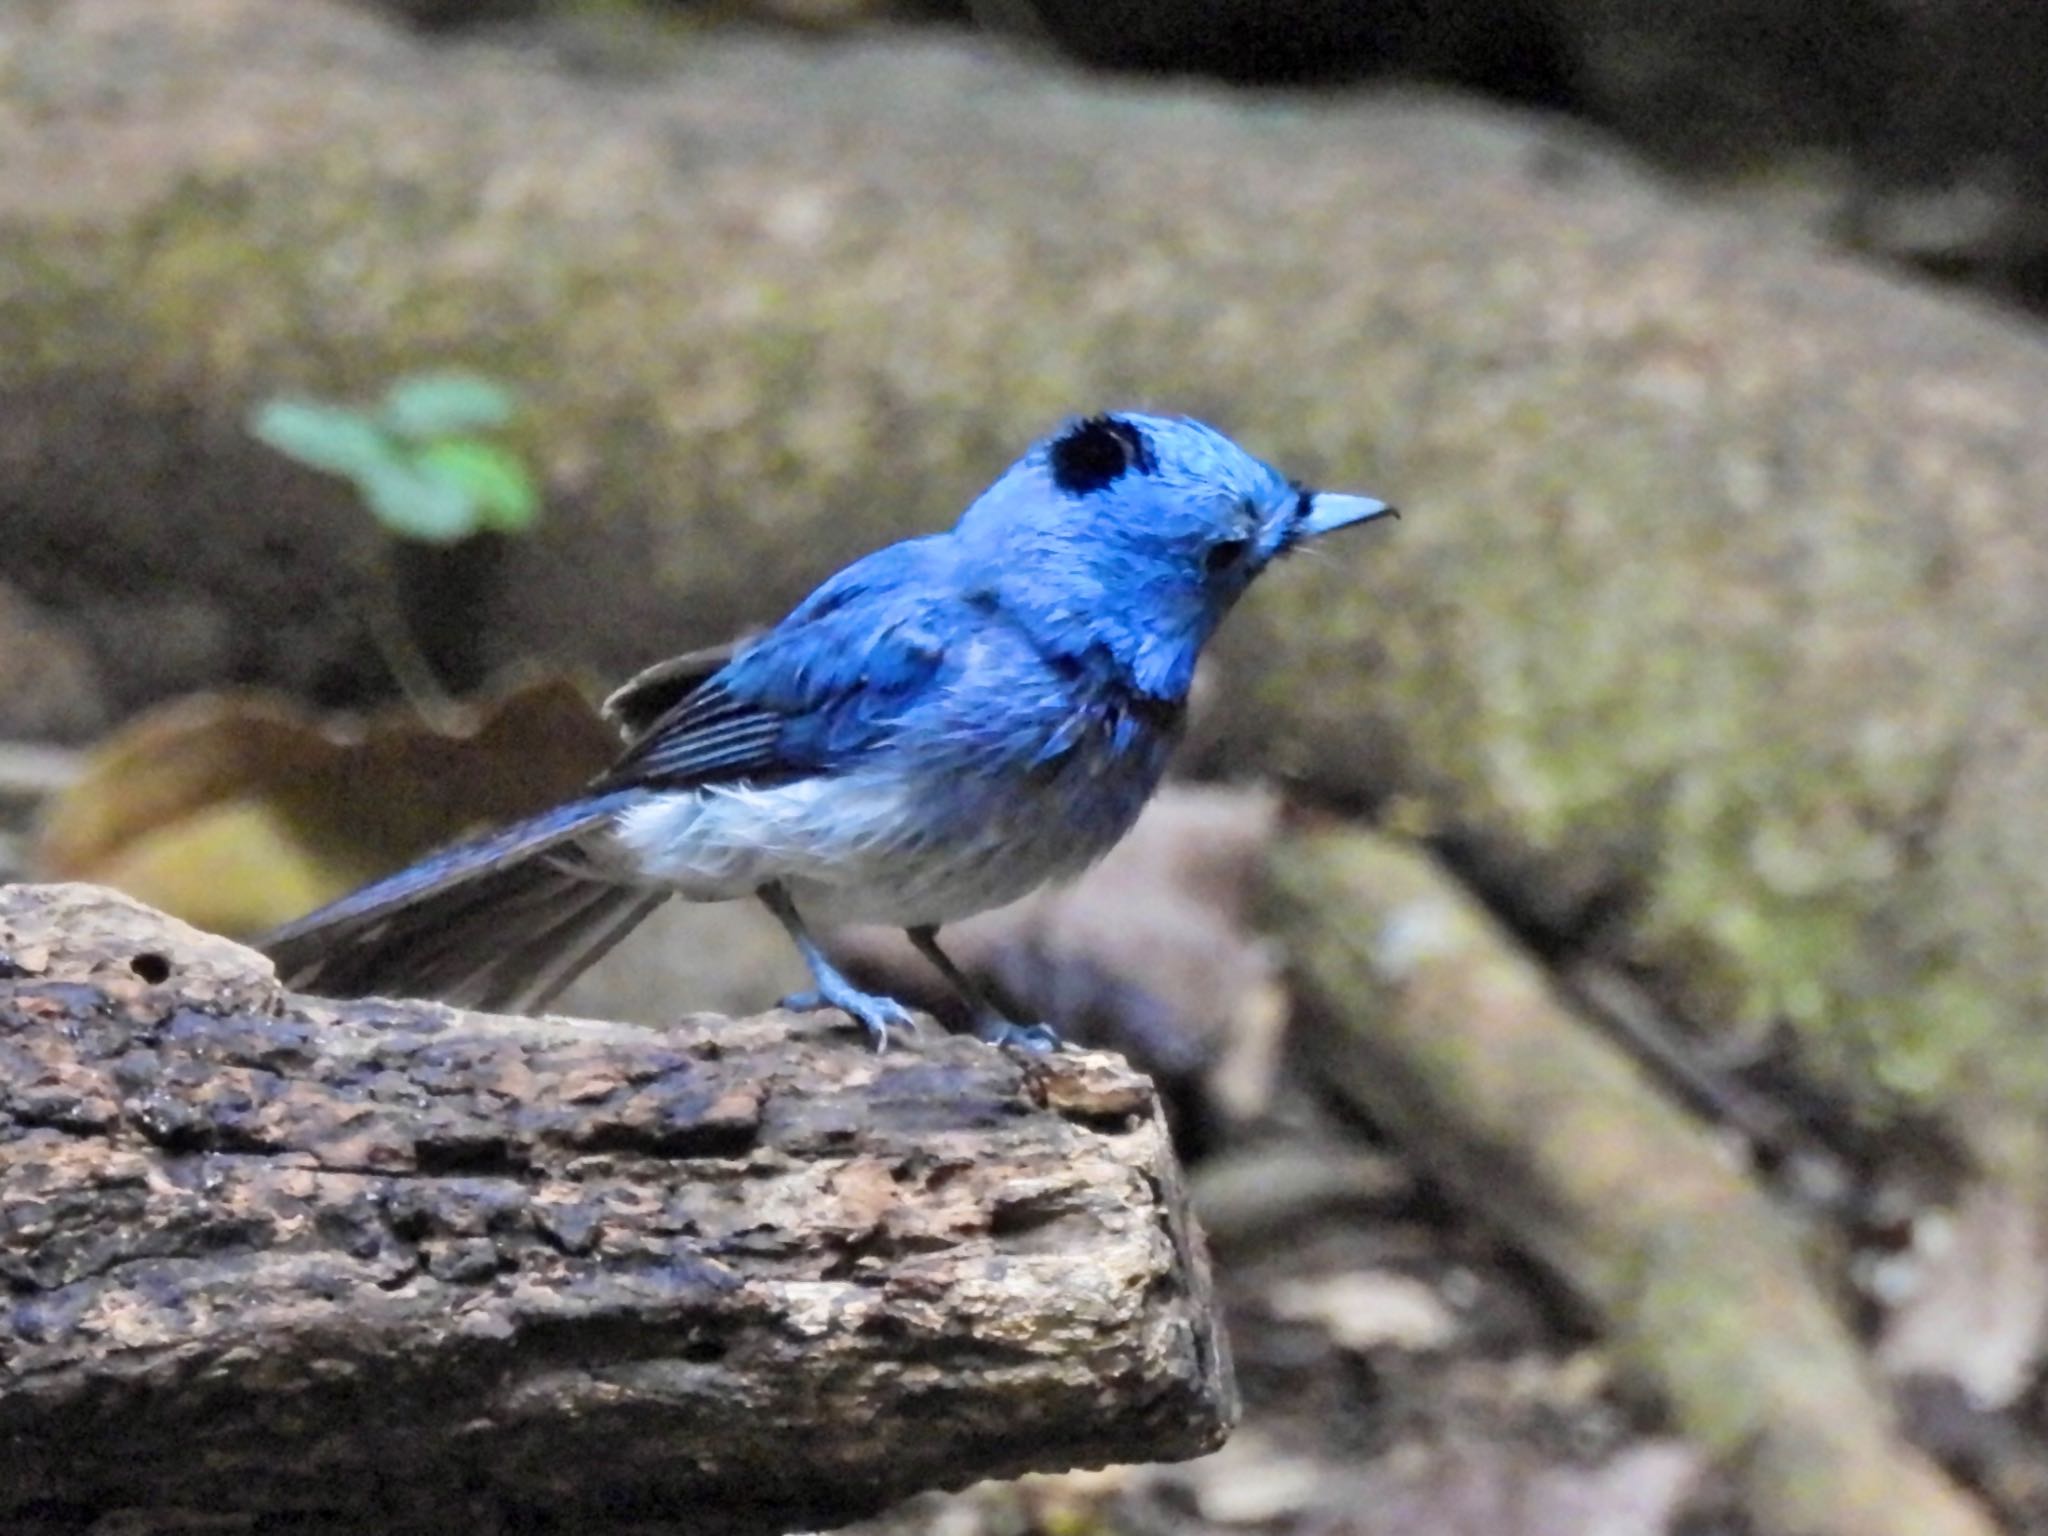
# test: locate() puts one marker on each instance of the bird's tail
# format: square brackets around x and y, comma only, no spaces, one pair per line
[504,921]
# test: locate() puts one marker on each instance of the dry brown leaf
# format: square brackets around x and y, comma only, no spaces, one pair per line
[1369,1309]
[236,811]
[1500,1490]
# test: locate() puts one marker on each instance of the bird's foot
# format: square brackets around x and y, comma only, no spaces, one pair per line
[870,1010]
[1039,1039]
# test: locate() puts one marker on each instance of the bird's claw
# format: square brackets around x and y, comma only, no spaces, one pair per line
[1039,1039]
[878,1015]
[870,1010]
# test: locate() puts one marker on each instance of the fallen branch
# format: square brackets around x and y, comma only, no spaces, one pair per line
[1438,1024]
[381,1266]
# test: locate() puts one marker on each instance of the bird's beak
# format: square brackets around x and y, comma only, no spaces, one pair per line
[1328,510]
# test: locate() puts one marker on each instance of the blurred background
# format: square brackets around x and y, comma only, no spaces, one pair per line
[1595,947]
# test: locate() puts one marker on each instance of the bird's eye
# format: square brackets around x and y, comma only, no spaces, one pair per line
[1225,555]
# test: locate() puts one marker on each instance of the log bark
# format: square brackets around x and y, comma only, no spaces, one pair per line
[390,1266]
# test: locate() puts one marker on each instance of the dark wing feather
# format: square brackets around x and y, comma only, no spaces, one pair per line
[503,920]
[709,736]
[640,703]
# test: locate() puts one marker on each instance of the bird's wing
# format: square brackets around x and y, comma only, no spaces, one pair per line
[821,687]
[646,698]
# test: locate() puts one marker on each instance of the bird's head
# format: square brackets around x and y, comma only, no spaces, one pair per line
[1135,534]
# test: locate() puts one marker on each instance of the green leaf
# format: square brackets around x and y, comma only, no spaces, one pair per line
[418,503]
[430,405]
[330,437]
[493,478]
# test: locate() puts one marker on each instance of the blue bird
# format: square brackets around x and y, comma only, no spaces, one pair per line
[939,728]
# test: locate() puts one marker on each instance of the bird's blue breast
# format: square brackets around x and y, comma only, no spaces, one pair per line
[1007,731]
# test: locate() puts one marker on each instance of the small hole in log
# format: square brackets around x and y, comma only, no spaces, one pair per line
[1011,1218]
[706,1351]
[151,967]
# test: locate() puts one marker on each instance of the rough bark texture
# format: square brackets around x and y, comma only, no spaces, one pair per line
[1439,1025]
[388,1266]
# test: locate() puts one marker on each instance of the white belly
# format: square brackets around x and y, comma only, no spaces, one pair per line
[850,850]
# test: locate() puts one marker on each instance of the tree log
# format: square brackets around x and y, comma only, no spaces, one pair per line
[391,1266]
[1426,1015]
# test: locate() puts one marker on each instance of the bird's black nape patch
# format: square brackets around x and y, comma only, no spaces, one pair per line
[1092,453]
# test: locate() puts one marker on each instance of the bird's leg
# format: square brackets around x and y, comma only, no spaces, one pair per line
[992,1023]
[874,1013]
